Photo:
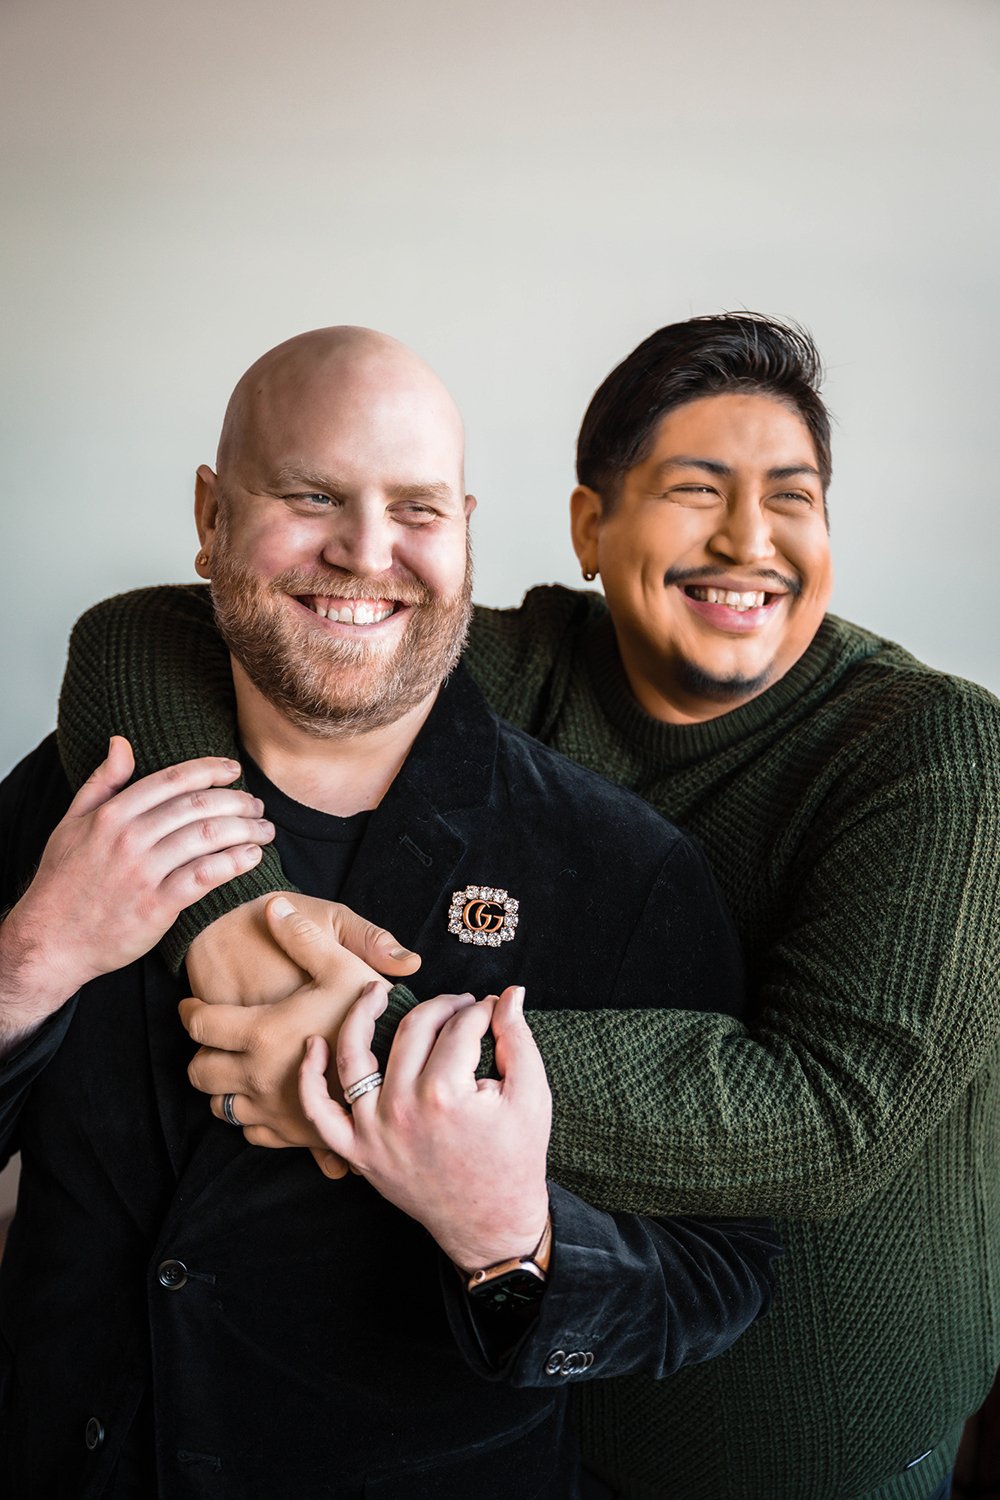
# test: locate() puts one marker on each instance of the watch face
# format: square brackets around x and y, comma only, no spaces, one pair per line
[506,1293]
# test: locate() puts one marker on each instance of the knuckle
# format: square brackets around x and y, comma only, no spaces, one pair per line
[207,830]
[172,774]
[258,1083]
[304,929]
[396,1117]
[106,819]
[436,1097]
[199,801]
[203,875]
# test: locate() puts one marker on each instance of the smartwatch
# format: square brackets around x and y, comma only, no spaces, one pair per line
[516,1284]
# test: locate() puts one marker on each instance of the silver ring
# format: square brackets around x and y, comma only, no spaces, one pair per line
[228,1113]
[363,1086]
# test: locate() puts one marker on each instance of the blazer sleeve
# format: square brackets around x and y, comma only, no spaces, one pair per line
[625,1296]
[32,800]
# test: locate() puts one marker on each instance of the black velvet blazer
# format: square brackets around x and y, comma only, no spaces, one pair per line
[301,1337]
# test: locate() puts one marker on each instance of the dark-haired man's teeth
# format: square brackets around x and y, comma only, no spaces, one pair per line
[728,597]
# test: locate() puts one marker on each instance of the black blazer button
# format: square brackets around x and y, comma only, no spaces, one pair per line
[94,1435]
[573,1363]
[172,1274]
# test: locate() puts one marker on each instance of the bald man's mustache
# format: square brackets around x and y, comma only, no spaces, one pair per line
[400,588]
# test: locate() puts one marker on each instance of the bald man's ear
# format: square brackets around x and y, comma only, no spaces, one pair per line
[206,515]
[586,513]
[470,505]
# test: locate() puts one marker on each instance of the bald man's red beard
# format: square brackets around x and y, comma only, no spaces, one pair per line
[331,687]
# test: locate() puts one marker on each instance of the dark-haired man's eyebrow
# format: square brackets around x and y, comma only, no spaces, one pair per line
[723,471]
[790,471]
[710,465]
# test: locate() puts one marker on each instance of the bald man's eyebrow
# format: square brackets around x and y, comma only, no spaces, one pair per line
[433,489]
[291,476]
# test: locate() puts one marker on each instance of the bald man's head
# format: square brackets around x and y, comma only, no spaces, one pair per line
[296,384]
[335,531]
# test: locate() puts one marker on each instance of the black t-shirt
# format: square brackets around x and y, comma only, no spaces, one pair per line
[317,849]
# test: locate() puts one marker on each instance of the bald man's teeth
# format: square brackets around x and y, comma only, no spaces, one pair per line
[726,596]
[350,611]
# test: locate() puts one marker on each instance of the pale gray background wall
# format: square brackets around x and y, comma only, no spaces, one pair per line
[522,192]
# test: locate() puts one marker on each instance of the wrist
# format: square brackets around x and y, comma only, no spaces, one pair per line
[539,1253]
[33,982]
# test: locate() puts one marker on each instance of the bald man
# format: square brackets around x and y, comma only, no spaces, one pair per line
[184,1315]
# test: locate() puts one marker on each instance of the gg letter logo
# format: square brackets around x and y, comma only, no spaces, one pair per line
[483,916]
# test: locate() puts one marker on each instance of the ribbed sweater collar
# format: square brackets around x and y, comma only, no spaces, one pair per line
[835,647]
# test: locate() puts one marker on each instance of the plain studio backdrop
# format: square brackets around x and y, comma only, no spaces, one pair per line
[522,192]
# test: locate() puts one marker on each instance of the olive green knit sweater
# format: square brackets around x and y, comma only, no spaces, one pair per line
[852,815]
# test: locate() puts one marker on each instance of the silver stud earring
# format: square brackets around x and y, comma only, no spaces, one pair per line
[588,576]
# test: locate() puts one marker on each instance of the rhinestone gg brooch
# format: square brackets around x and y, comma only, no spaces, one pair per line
[482,915]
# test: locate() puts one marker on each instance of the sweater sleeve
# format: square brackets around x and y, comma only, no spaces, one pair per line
[150,665]
[878,1003]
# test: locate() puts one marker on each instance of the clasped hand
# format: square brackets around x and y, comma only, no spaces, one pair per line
[463,1156]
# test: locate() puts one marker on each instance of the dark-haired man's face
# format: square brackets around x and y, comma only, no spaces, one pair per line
[715,560]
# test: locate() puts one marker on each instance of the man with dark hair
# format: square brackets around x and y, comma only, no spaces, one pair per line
[849,800]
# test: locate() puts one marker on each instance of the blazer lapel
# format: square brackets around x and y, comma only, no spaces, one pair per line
[404,866]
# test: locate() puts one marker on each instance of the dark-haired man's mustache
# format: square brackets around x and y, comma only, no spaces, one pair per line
[786,582]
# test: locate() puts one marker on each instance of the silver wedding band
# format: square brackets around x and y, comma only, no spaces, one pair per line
[363,1086]
[228,1113]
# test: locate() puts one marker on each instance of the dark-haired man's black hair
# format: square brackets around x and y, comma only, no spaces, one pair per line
[741,352]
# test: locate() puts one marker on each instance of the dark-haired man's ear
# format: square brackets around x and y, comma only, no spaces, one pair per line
[586,512]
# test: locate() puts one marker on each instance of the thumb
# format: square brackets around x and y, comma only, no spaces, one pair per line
[110,776]
[376,946]
[298,935]
[329,1163]
[518,1059]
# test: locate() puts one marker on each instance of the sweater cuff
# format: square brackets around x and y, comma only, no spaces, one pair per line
[401,1002]
[263,880]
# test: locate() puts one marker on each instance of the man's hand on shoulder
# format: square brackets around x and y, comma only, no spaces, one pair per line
[115,873]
